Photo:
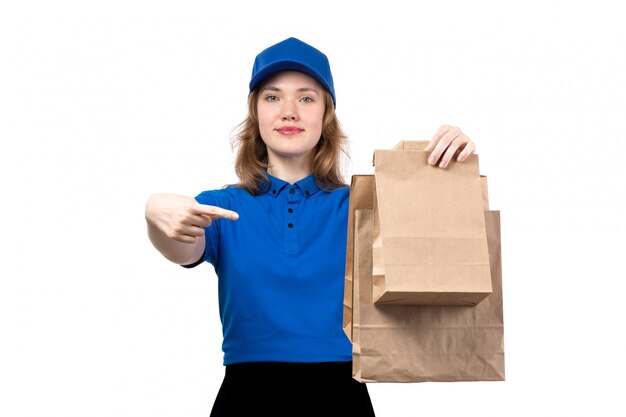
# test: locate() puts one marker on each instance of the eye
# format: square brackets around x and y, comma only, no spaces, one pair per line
[271,98]
[307,99]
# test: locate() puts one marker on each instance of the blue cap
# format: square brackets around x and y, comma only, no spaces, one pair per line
[293,55]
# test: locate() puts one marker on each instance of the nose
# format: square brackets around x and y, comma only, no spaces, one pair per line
[289,110]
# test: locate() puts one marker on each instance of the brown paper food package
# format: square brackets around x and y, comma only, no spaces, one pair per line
[430,243]
[419,343]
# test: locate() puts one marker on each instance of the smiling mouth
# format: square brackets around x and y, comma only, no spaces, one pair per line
[289,130]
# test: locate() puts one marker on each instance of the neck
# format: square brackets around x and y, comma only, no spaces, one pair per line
[289,169]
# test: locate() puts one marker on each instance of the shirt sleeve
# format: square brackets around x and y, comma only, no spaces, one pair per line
[211,233]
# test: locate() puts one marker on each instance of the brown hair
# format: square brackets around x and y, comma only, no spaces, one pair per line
[251,161]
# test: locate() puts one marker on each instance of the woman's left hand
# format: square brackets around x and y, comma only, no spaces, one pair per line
[447,142]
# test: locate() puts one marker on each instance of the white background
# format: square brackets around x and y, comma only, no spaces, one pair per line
[104,103]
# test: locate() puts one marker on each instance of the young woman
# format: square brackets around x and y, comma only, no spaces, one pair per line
[277,241]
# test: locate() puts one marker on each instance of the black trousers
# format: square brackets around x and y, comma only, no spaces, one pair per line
[276,389]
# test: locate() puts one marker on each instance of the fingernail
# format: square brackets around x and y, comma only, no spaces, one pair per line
[431,160]
[443,164]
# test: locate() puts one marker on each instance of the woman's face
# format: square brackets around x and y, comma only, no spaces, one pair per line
[291,112]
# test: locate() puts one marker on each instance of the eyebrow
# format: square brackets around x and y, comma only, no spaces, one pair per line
[300,90]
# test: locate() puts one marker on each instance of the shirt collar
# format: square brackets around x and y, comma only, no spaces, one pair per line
[276,185]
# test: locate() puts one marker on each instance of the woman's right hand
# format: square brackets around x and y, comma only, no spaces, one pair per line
[182,218]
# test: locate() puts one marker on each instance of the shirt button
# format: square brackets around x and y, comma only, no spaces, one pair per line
[292,191]
[290,225]
[290,210]
[273,191]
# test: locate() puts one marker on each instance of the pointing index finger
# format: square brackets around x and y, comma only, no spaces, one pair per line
[215,212]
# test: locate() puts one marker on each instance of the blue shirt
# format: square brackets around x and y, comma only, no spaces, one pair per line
[280,269]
